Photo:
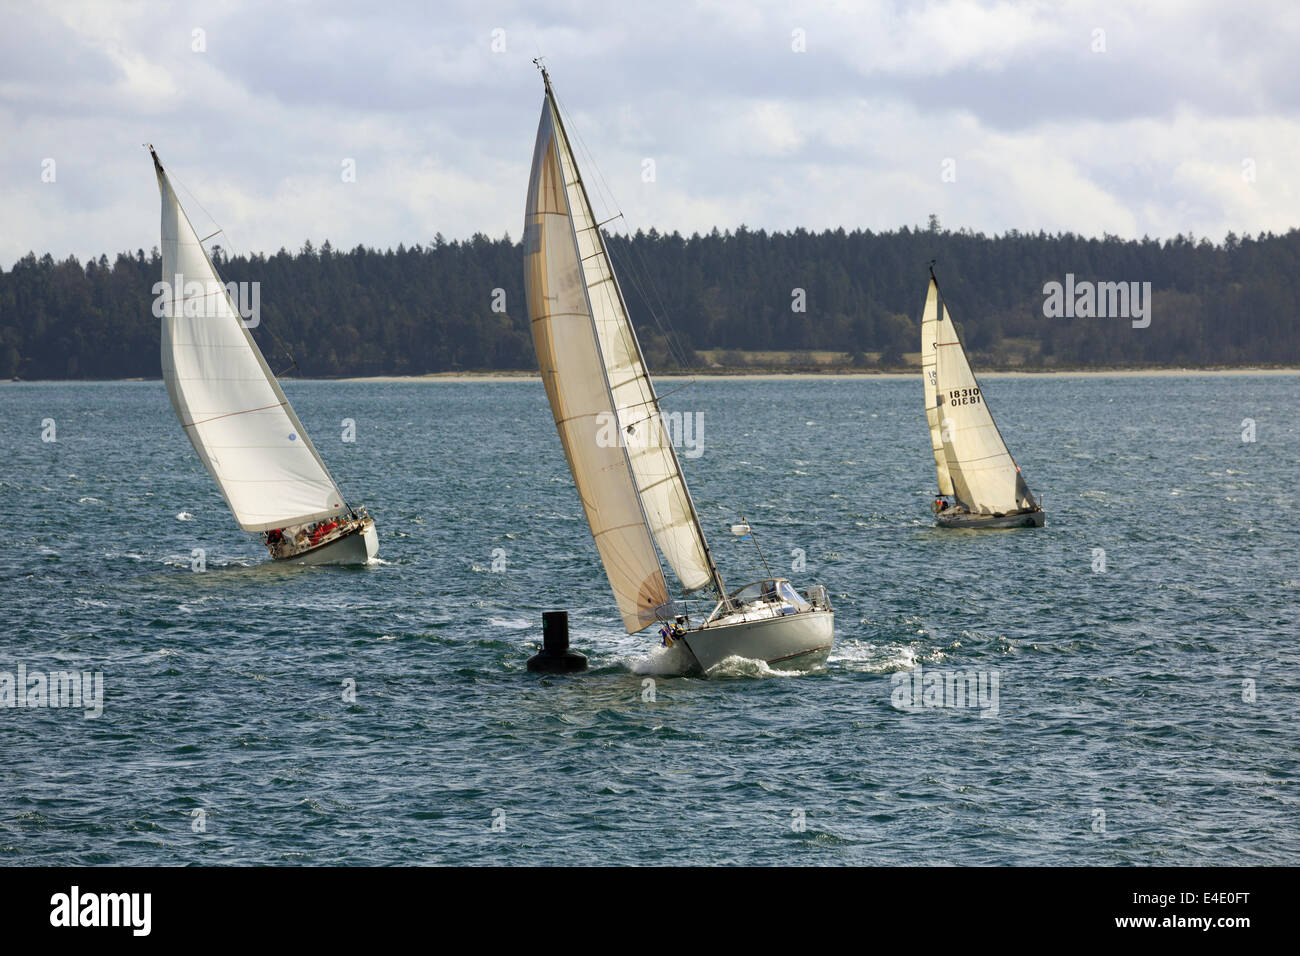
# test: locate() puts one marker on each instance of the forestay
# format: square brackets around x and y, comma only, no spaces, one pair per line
[242,426]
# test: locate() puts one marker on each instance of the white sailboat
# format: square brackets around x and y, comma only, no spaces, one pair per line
[980,485]
[629,478]
[237,417]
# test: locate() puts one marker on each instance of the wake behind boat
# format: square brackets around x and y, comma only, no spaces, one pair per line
[980,485]
[632,488]
[237,417]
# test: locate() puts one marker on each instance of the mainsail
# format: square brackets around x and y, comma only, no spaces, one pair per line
[226,398]
[605,407]
[984,477]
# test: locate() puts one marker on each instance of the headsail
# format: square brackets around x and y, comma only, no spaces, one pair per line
[985,478]
[929,356]
[605,406]
[226,398]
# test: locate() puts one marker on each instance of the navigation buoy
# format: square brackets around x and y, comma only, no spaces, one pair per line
[555,656]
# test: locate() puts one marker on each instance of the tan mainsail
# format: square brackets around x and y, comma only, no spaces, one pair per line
[929,356]
[605,407]
[985,478]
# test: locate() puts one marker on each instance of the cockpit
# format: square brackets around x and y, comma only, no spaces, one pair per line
[771,596]
[776,590]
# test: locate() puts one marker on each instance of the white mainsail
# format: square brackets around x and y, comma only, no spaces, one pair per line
[929,375]
[605,407]
[984,477]
[242,426]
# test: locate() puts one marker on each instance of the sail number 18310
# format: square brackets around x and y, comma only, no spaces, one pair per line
[964,396]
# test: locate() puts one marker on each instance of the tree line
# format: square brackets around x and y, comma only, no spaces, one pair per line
[459,305]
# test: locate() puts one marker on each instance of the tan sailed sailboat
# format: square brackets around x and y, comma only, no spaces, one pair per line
[625,468]
[236,415]
[980,485]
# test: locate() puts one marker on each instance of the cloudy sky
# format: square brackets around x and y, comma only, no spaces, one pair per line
[1122,118]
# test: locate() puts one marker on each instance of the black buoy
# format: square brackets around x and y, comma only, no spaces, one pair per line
[555,656]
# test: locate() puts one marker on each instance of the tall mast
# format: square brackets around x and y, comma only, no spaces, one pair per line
[600,240]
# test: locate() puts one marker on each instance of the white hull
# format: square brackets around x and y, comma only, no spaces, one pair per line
[358,547]
[792,641]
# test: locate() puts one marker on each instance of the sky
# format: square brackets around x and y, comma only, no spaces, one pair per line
[383,123]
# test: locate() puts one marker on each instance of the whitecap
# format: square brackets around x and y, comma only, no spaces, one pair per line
[668,661]
[514,624]
[736,666]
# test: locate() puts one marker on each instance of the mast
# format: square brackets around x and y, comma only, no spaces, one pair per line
[576,378]
[930,380]
[956,464]
[714,575]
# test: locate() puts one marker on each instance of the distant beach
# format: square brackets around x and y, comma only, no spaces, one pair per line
[507,376]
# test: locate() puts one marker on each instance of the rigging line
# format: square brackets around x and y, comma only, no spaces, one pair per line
[665,328]
[754,537]
[655,403]
[606,194]
[681,494]
[605,190]
[674,350]
[637,269]
[639,279]
[233,253]
[211,218]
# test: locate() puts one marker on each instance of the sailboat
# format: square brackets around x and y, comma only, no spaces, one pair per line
[623,463]
[236,415]
[980,484]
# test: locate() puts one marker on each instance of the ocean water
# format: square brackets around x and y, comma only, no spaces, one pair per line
[1143,644]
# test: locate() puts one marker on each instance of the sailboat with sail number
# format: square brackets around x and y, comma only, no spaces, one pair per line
[980,484]
[236,415]
[629,477]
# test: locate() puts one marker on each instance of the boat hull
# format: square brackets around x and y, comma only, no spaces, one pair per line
[355,547]
[790,642]
[1025,519]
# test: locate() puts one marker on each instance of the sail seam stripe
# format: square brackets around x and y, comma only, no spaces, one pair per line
[656,484]
[558,315]
[617,527]
[246,411]
[574,418]
[970,461]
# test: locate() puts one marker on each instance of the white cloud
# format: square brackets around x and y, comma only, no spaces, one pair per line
[1146,138]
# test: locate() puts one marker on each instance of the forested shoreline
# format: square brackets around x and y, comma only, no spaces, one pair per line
[699,302]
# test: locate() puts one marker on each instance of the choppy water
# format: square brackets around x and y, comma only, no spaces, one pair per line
[1120,693]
